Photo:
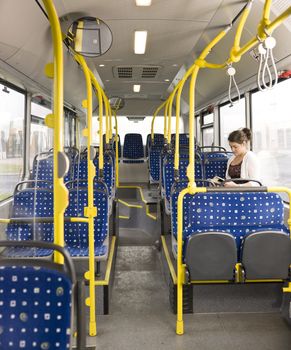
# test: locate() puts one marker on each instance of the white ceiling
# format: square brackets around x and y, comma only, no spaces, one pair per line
[177,32]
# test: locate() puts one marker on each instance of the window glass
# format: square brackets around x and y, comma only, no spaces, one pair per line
[208,118]
[272,134]
[231,118]
[198,130]
[12,108]
[41,137]
[207,136]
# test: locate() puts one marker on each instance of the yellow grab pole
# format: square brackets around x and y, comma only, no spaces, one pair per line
[90,211]
[107,123]
[180,266]
[170,106]
[57,122]
[100,101]
[165,121]
[154,117]
[110,121]
[116,150]
[238,34]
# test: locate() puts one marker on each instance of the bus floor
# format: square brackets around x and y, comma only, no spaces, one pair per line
[140,317]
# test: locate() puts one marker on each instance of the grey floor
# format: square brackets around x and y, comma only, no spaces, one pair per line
[141,319]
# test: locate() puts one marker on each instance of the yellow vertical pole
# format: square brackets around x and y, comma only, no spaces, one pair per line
[57,122]
[116,150]
[100,101]
[110,121]
[170,106]
[107,122]
[90,211]
[154,118]
[165,121]
[191,177]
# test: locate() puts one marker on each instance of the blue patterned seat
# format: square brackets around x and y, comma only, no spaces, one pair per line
[43,166]
[36,303]
[169,175]
[158,142]
[31,203]
[215,163]
[239,213]
[76,234]
[133,151]
[215,225]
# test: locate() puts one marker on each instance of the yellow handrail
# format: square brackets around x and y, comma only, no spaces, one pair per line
[154,117]
[165,121]
[116,150]
[57,122]
[90,211]
[100,101]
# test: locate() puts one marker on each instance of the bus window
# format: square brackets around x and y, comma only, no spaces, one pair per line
[231,118]
[271,128]
[41,137]
[11,139]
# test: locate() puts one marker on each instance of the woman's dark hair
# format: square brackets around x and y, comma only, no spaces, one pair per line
[240,136]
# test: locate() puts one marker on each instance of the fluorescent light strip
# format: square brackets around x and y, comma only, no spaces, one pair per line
[136,88]
[143,2]
[140,41]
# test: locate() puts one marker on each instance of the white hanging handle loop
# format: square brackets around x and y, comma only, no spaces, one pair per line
[231,72]
[266,52]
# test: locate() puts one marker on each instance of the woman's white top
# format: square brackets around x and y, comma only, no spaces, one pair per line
[250,168]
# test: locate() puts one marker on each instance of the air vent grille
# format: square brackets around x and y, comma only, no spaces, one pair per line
[124,72]
[149,72]
[136,73]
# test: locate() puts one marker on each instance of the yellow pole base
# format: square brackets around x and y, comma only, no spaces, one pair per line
[180,327]
[92,329]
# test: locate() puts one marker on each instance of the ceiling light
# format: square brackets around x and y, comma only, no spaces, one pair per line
[143,2]
[101,65]
[167,79]
[136,88]
[140,40]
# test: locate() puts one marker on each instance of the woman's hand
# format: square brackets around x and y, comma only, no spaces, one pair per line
[230,184]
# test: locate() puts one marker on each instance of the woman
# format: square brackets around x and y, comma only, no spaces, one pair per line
[243,164]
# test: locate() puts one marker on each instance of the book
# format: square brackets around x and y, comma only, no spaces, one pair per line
[216,180]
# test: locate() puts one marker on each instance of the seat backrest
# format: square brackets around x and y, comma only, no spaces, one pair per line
[31,203]
[238,213]
[133,146]
[76,234]
[36,302]
[43,167]
[215,164]
[155,153]
[183,139]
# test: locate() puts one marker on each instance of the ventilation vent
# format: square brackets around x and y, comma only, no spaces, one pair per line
[149,72]
[136,72]
[124,72]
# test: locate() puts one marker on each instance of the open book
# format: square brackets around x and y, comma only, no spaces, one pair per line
[216,180]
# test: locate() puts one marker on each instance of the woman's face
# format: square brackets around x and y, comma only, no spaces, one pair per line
[238,149]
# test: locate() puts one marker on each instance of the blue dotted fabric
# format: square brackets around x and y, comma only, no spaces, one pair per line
[76,234]
[31,203]
[133,146]
[183,140]
[236,213]
[168,174]
[43,170]
[154,163]
[158,142]
[35,308]
[81,174]
[215,163]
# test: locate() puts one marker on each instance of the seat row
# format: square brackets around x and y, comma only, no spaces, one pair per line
[222,229]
